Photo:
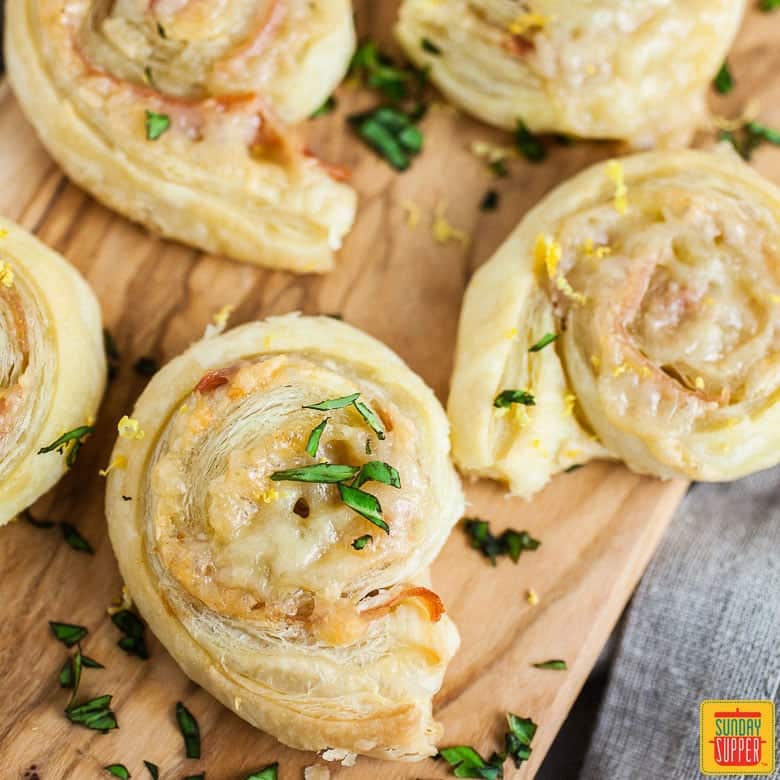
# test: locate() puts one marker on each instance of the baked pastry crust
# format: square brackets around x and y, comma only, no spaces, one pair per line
[635,71]
[52,364]
[254,585]
[661,275]
[227,174]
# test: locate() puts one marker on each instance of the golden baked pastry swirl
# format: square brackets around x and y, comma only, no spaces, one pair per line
[239,514]
[178,114]
[660,276]
[52,367]
[636,71]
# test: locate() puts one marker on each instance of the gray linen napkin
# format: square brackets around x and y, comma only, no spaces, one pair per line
[704,624]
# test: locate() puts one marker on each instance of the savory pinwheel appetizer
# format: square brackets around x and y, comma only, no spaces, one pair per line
[274,502]
[635,71]
[633,314]
[179,114]
[52,367]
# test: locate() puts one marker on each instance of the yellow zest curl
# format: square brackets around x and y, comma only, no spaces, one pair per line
[130,429]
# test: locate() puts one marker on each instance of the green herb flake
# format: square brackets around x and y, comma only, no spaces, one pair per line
[328,107]
[334,403]
[362,541]
[427,45]
[313,442]
[377,471]
[70,674]
[769,5]
[466,762]
[510,543]
[146,366]
[133,641]
[508,397]
[118,770]
[364,504]
[322,472]
[75,539]
[391,133]
[724,81]
[573,468]
[490,201]
[94,714]
[372,418]
[529,145]
[543,342]
[499,169]
[379,71]
[156,125]
[74,439]
[189,730]
[518,738]
[270,772]
[749,137]
[67,633]
[154,770]
[555,664]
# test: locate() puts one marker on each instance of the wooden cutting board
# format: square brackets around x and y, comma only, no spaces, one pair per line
[598,526]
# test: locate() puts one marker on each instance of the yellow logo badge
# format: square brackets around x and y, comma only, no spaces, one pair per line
[737,737]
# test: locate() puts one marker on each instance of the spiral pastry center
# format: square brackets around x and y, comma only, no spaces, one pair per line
[254,548]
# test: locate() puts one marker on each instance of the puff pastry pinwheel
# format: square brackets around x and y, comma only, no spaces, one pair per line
[289,485]
[660,276]
[52,367]
[622,69]
[178,114]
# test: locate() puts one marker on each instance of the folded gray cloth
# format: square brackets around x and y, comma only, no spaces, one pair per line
[704,624]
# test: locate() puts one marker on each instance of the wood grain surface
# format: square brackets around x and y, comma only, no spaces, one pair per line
[598,526]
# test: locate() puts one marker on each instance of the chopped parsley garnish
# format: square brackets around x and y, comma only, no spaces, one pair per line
[556,664]
[133,642]
[543,342]
[154,770]
[498,168]
[94,714]
[572,468]
[377,471]
[468,763]
[75,539]
[362,541]
[518,738]
[511,543]
[326,108]
[334,403]
[189,730]
[156,125]
[67,633]
[371,418]
[118,770]
[769,5]
[364,504]
[380,72]
[508,397]
[724,81]
[270,772]
[146,366]
[70,674]
[313,441]
[529,145]
[749,137]
[70,442]
[391,133]
[427,45]
[489,201]
[322,472]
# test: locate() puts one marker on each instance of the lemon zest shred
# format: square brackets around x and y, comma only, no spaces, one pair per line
[412,212]
[490,152]
[597,252]
[219,321]
[699,382]
[532,597]
[130,429]
[616,175]
[6,274]
[511,334]
[569,400]
[443,230]
[528,22]
[121,604]
[572,453]
[119,462]
[3,232]
[268,496]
